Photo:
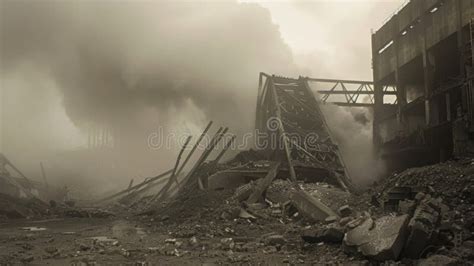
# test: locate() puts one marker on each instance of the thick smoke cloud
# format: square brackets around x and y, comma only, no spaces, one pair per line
[112,59]
[353,134]
[134,66]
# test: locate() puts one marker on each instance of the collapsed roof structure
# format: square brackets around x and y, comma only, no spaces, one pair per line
[287,111]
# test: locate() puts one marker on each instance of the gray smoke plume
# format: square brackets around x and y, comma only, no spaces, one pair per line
[133,66]
[112,59]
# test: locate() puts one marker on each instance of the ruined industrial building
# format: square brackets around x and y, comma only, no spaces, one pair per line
[205,138]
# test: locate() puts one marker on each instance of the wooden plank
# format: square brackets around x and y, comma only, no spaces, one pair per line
[226,147]
[18,171]
[130,184]
[44,175]
[147,181]
[162,194]
[194,148]
[203,182]
[264,183]
[128,198]
[173,175]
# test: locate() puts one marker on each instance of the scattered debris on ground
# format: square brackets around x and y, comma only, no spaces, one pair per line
[254,213]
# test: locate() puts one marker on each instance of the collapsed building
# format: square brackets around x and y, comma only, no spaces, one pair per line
[292,198]
[425,52]
[287,111]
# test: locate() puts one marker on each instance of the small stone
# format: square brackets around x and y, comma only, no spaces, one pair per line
[438,260]
[270,249]
[170,240]
[330,219]
[275,240]
[469,244]
[407,206]
[345,221]
[51,250]
[345,211]
[28,259]
[227,243]
[193,241]
[419,196]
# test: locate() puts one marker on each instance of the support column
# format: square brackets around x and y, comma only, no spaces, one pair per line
[427,72]
[378,97]
[401,93]
[460,39]
[448,106]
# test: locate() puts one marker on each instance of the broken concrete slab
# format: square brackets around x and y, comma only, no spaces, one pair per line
[264,183]
[243,192]
[407,206]
[246,215]
[422,227]
[331,219]
[438,260]
[310,207]
[379,240]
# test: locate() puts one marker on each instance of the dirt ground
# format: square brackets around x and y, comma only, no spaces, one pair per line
[207,227]
[113,241]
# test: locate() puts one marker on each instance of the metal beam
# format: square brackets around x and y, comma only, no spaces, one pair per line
[355,92]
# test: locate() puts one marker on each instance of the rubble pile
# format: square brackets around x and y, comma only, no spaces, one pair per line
[15,208]
[310,222]
[452,180]
[255,213]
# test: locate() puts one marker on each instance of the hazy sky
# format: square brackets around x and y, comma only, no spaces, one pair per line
[331,38]
[65,64]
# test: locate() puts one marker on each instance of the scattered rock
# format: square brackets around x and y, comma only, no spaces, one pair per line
[275,240]
[310,207]
[227,243]
[28,259]
[327,235]
[344,221]
[407,207]
[438,260]
[330,219]
[380,240]
[51,250]
[345,211]
[422,227]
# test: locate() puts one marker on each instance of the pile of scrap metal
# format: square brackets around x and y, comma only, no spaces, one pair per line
[20,196]
[169,183]
[290,129]
[297,139]
[288,112]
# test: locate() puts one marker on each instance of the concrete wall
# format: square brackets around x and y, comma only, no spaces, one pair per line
[439,25]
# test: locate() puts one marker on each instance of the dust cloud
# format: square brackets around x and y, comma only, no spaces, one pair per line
[352,131]
[128,68]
